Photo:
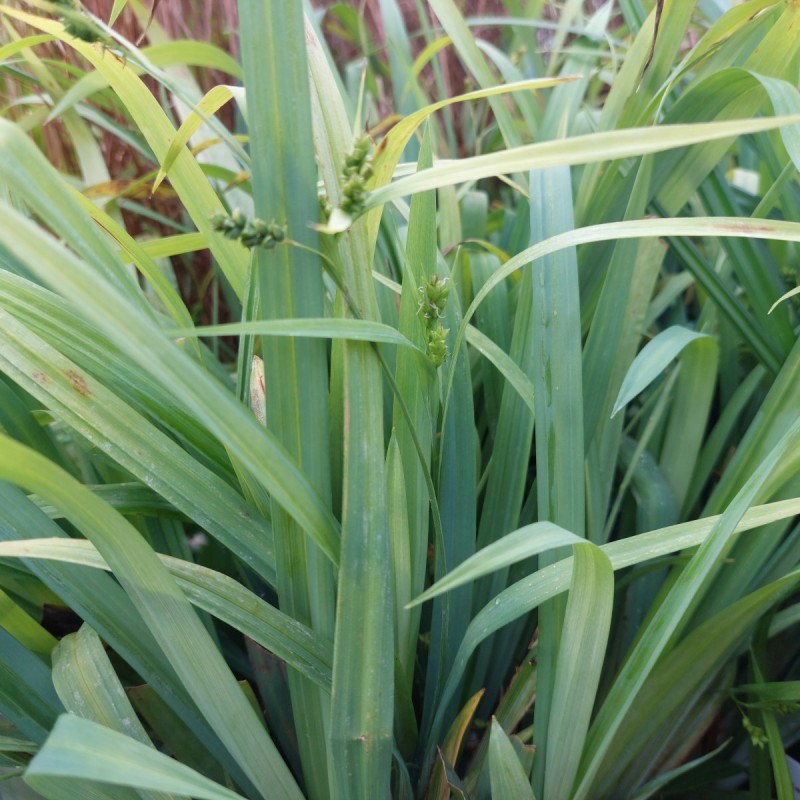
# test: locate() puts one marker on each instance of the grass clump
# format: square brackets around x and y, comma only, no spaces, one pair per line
[483,480]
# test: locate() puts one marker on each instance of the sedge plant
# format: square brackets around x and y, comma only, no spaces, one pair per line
[495,493]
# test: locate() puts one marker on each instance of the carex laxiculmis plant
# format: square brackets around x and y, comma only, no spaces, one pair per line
[557,408]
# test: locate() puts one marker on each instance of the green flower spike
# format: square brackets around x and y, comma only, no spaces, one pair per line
[251,233]
[356,172]
[437,345]
[433,297]
[757,736]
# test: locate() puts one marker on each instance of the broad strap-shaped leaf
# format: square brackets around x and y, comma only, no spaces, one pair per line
[575,150]
[507,367]
[79,748]
[558,383]
[451,748]
[24,628]
[578,667]
[651,362]
[508,779]
[211,102]
[784,297]
[695,389]
[525,542]
[90,689]
[362,330]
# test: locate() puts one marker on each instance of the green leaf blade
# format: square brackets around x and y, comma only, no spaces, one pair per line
[651,361]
